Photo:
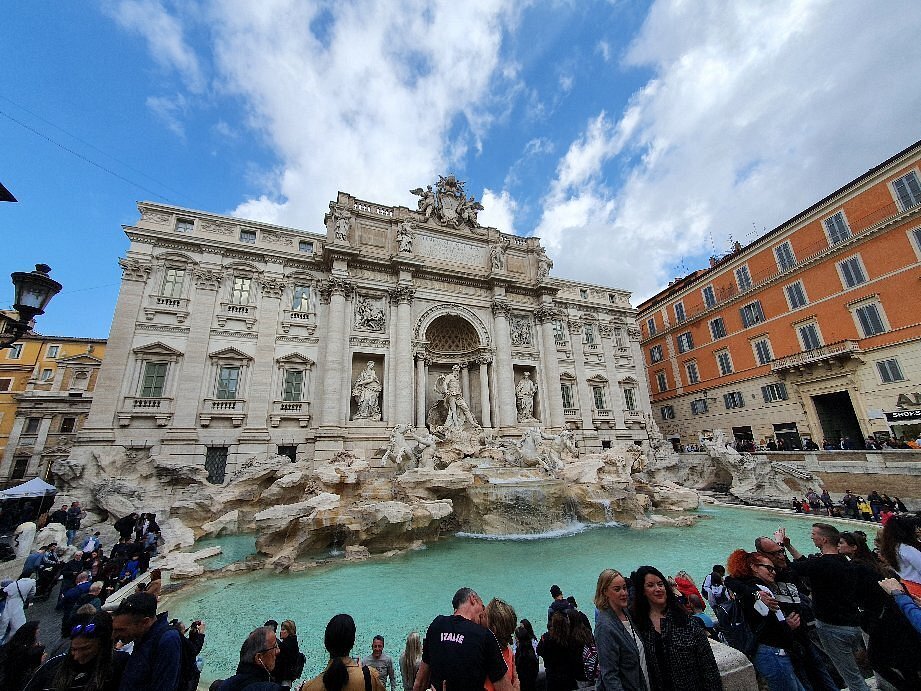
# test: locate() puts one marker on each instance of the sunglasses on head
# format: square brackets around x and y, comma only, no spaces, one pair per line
[83,630]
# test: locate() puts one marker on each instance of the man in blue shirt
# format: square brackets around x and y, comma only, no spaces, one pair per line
[157,656]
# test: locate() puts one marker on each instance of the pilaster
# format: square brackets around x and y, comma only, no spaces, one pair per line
[586,403]
[505,377]
[545,314]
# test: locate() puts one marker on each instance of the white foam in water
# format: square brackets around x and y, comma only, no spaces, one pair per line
[571,529]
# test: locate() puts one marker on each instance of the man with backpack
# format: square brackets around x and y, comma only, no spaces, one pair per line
[156,663]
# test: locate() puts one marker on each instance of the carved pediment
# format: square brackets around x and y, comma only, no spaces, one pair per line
[567,376]
[230,354]
[158,348]
[176,257]
[295,359]
[83,360]
[597,379]
[628,380]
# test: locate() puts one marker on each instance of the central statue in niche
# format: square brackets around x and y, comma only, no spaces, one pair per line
[367,393]
[452,411]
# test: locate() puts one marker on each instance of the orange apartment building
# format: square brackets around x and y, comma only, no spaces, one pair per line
[812,330]
[46,388]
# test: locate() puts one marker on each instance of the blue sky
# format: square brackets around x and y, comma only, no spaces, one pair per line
[635,138]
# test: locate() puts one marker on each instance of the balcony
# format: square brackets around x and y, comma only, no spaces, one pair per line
[166,305]
[601,414]
[161,409]
[287,410]
[833,353]
[635,417]
[571,412]
[233,408]
[298,318]
[233,311]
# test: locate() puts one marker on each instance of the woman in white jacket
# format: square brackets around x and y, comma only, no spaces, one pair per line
[14,613]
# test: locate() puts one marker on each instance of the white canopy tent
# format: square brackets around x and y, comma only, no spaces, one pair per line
[36,487]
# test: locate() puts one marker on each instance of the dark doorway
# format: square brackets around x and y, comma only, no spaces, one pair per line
[743,434]
[787,433]
[838,419]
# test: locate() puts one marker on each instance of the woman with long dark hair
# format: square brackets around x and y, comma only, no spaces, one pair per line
[562,655]
[526,664]
[621,661]
[678,654]
[20,656]
[900,548]
[854,547]
[342,673]
[90,665]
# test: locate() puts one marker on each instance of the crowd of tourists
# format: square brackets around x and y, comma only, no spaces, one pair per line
[875,507]
[807,623]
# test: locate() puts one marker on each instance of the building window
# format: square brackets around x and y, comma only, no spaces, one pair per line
[774,392]
[724,362]
[709,296]
[289,451]
[248,236]
[661,381]
[305,246]
[837,229]
[588,334]
[889,371]
[809,336]
[655,353]
[583,293]
[699,406]
[784,255]
[796,295]
[300,299]
[173,279]
[566,394]
[762,349]
[679,312]
[914,236]
[153,380]
[598,397]
[870,319]
[15,352]
[6,384]
[46,374]
[718,328]
[216,464]
[619,338]
[651,325]
[228,379]
[630,399]
[693,374]
[685,342]
[20,463]
[293,385]
[32,424]
[240,291]
[68,424]
[612,298]
[53,351]
[668,412]
[743,278]
[752,314]
[733,399]
[184,225]
[908,190]
[852,273]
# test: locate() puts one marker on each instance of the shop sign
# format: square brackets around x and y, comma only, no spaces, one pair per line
[903,416]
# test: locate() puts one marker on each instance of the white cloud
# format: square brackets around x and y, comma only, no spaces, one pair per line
[360,97]
[755,111]
[499,211]
[170,109]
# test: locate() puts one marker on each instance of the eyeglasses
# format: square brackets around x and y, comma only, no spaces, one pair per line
[769,567]
[274,647]
[82,629]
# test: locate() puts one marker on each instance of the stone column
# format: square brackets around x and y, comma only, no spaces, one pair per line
[259,394]
[553,408]
[403,296]
[485,413]
[642,384]
[334,292]
[194,376]
[40,440]
[465,380]
[108,392]
[505,376]
[586,402]
[421,379]
[618,405]
[12,442]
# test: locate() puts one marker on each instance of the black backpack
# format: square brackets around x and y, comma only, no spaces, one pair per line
[734,629]
[188,667]
[298,668]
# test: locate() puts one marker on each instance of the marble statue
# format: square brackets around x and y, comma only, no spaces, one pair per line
[343,225]
[531,452]
[544,264]
[367,392]
[426,205]
[525,392]
[429,444]
[405,236]
[497,254]
[369,314]
[562,443]
[468,210]
[398,447]
[448,386]
[520,331]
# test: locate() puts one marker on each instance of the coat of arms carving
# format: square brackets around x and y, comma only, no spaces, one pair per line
[448,203]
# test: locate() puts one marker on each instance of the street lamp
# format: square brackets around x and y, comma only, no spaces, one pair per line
[34,291]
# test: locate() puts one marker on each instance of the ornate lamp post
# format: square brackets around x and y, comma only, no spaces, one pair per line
[34,291]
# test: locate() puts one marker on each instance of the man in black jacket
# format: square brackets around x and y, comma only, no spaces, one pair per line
[257,660]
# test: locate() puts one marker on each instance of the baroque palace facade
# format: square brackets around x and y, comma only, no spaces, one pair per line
[812,330]
[233,339]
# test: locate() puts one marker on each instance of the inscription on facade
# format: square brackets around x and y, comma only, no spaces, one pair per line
[451,250]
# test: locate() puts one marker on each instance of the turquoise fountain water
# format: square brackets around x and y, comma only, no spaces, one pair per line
[396,596]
